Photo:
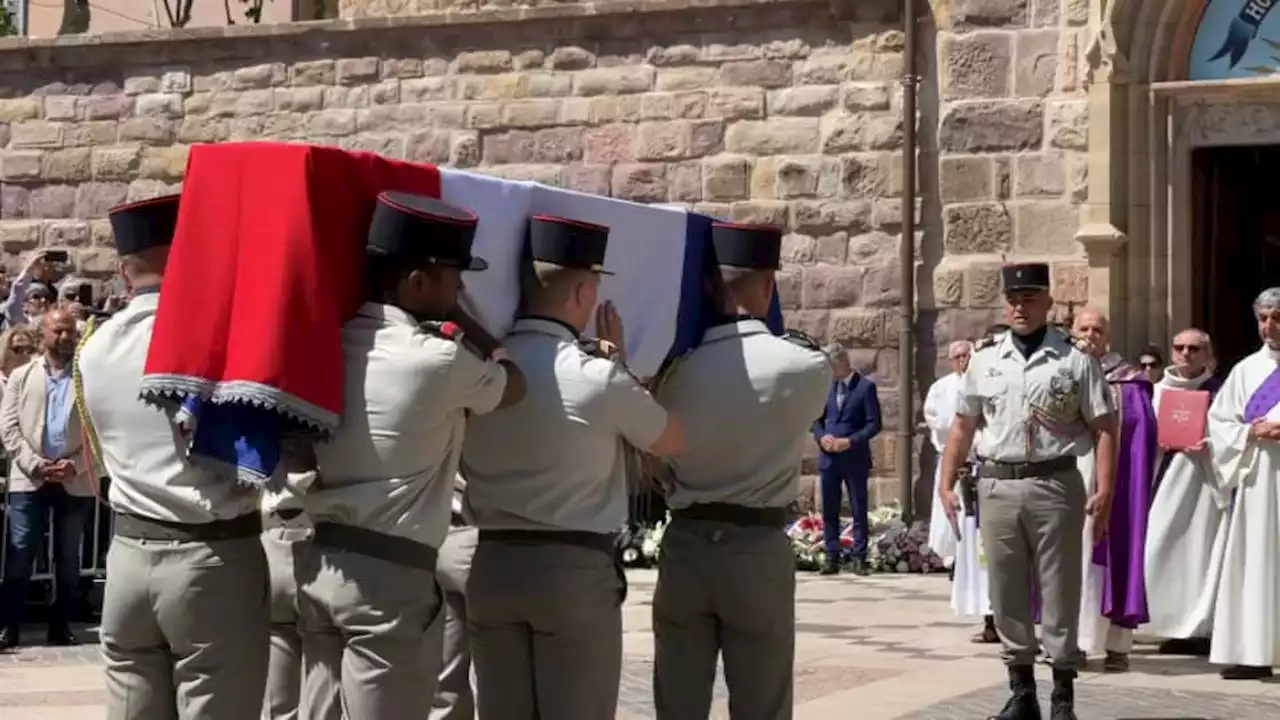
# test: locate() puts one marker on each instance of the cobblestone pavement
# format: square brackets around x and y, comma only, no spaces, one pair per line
[885,647]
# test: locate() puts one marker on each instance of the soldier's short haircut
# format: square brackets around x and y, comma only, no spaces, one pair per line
[550,283]
[1268,299]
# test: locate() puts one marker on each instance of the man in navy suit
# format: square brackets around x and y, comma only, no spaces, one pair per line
[843,433]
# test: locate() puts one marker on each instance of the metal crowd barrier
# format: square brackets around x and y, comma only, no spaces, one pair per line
[93,554]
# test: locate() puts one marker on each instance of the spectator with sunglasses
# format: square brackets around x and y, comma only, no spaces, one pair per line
[1152,363]
[1187,526]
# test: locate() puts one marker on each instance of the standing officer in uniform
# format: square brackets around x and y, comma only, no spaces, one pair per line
[184,616]
[726,575]
[546,485]
[1040,402]
[380,504]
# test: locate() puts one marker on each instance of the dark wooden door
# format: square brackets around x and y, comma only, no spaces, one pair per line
[1237,247]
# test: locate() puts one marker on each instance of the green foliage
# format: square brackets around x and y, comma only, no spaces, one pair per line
[8,23]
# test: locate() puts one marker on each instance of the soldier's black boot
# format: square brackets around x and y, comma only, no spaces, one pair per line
[1062,703]
[1023,704]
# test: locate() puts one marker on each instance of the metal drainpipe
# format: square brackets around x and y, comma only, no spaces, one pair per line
[907,262]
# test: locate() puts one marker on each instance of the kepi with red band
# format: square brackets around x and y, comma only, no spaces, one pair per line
[754,247]
[143,225]
[419,229]
[568,243]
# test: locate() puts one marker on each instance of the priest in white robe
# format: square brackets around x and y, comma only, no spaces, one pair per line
[1187,527]
[1244,437]
[939,410]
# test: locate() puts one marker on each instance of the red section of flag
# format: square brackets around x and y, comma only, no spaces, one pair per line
[268,264]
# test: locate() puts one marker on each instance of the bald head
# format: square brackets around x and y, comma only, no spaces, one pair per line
[1192,352]
[58,335]
[1092,327]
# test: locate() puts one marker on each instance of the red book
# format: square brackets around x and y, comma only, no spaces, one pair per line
[1182,418]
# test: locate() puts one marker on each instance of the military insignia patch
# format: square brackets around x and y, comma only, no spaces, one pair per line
[802,339]
[987,341]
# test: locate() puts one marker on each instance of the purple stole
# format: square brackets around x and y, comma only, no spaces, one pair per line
[1264,398]
[1260,403]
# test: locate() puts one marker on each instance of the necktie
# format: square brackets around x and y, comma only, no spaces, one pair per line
[842,390]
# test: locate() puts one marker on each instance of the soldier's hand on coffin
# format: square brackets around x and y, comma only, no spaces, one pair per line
[1099,508]
[609,326]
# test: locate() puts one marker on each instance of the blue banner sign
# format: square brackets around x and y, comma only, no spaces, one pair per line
[1236,38]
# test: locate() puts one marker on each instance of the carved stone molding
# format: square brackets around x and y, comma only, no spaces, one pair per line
[1101,241]
[1107,64]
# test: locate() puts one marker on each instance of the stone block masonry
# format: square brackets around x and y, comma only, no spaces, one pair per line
[786,112]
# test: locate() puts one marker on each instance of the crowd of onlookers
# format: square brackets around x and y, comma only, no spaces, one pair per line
[48,492]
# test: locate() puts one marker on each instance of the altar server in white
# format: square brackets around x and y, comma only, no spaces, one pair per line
[1244,437]
[939,410]
[1187,528]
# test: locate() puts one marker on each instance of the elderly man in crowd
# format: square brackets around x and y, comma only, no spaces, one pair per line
[41,433]
[849,420]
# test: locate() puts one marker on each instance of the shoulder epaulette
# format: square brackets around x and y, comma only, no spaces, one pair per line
[987,341]
[665,372]
[797,337]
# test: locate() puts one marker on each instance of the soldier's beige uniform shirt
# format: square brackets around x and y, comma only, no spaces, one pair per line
[556,459]
[1036,408]
[748,399]
[143,452]
[406,392]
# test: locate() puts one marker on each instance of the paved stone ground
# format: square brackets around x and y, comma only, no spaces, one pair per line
[883,648]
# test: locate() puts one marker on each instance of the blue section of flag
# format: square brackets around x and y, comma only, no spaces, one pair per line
[697,312]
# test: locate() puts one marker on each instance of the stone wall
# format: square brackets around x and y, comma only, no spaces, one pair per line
[784,112]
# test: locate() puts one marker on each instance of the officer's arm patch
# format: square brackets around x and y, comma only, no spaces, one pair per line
[987,341]
[802,339]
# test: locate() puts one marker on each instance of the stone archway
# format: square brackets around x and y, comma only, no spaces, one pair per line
[1124,230]
[1145,119]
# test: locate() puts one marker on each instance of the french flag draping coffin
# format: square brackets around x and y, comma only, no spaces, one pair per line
[659,255]
[266,265]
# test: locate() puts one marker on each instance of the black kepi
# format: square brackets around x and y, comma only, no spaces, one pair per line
[568,243]
[423,230]
[754,247]
[1025,276]
[145,224]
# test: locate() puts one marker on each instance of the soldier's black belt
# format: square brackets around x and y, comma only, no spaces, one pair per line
[740,515]
[606,543]
[371,543]
[997,470]
[142,528]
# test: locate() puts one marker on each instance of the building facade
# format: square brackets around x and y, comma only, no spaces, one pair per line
[1078,132]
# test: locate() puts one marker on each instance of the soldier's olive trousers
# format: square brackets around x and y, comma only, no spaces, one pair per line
[1033,531]
[546,631]
[284,674]
[184,629]
[455,696]
[364,636]
[731,590]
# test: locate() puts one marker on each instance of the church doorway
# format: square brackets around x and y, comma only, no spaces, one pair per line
[1236,243]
